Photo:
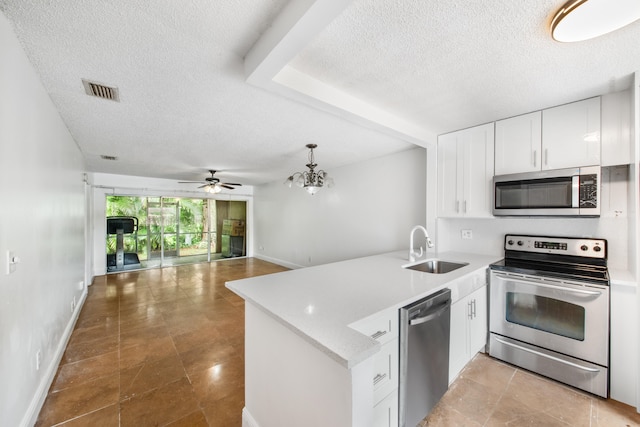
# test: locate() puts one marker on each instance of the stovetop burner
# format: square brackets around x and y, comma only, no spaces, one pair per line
[567,258]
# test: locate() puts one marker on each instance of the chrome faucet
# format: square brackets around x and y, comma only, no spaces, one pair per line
[413,254]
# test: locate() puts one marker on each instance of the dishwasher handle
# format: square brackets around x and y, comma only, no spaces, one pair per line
[431,315]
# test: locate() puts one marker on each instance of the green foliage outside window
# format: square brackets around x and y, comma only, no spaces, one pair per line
[184,220]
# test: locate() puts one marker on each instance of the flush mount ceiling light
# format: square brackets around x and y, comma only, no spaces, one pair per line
[310,180]
[579,20]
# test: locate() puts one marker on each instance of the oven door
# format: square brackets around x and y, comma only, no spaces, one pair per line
[567,317]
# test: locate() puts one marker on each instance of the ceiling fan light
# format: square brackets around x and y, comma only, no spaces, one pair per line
[579,20]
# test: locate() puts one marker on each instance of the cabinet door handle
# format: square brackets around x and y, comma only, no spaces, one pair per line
[469,310]
[546,157]
[378,334]
[535,158]
[457,206]
[464,206]
[473,309]
[378,378]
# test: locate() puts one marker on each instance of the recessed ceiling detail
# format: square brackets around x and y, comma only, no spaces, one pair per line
[101,91]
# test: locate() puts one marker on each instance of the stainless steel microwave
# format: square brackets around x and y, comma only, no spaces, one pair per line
[560,192]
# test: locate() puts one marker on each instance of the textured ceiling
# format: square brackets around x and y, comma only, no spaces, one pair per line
[186,107]
[452,64]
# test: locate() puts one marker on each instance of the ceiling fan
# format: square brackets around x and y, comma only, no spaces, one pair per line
[212,184]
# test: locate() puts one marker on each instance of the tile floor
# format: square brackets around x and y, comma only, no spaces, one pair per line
[165,347]
[491,393]
[161,347]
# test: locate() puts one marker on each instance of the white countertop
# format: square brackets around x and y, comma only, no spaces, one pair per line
[319,303]
[622,278]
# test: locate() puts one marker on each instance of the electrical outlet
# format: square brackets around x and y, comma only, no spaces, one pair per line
[467,234]
[38,359]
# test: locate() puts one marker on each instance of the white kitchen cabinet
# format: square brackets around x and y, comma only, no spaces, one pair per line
[468,330]
[385,413]
[465,172]
[616,128]
[560,137]
[623,365]
[384,328]
[518,144]
[571,135]
[385,374]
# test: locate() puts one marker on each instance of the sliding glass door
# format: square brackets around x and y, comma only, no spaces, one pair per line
[180,230]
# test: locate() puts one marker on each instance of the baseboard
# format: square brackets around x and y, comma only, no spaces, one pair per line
[40,396]
[247,419]
[279,262]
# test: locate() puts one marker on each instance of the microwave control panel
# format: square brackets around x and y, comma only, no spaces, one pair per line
[589,191]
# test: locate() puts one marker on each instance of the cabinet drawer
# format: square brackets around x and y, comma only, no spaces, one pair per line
[382,328]
[385,370]
[385,413]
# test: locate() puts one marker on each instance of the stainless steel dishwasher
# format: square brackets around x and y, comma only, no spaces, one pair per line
[424,356]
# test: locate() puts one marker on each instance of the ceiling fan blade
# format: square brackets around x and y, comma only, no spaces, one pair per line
[227,186]
[190,182]
[231,183]
[202,186]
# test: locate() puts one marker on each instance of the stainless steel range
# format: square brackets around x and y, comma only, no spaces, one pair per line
[549,309]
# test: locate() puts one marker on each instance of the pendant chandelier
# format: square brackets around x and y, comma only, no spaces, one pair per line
[310,180]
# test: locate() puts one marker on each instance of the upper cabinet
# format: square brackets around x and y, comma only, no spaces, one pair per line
[616,128]
[571,135]
[555,138]
[465,172]
[518,144]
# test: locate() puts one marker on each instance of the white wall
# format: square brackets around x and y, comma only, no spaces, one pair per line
[42,219]
[370,210]
[125,185]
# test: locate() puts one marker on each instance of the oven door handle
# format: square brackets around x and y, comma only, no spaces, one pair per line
[538,353]
[556,287]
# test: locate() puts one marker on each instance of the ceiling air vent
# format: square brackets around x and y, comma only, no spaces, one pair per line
[105,157]
[101,91]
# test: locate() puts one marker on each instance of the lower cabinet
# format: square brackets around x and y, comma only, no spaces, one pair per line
[384,329]
[385,376]
[468,330]
[385,413]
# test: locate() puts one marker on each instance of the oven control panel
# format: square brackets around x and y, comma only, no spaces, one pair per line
[575,246]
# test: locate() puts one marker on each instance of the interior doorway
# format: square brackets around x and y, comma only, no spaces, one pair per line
[174,231]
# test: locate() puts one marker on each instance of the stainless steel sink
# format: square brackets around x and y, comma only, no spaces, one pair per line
[436,266]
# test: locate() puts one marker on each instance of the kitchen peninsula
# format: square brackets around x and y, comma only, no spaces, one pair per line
[321,342]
